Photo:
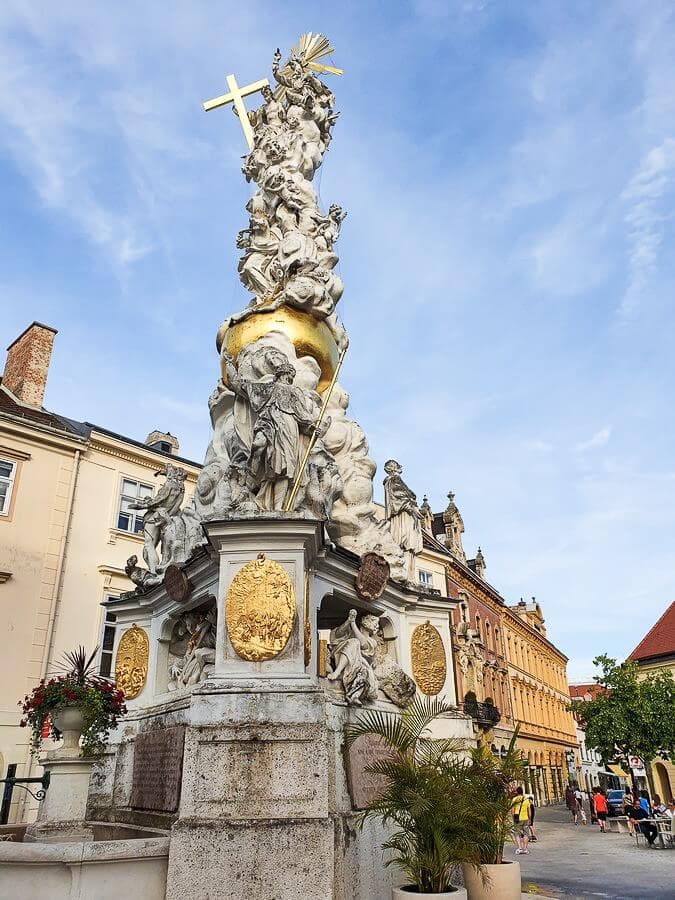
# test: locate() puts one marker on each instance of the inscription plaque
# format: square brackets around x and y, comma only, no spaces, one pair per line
[158,769]
[364,787]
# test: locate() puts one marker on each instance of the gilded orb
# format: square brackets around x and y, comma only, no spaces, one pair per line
[309,336]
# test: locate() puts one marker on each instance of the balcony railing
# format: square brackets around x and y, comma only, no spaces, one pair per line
[486,714]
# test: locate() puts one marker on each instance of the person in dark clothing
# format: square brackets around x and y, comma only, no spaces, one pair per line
[637,817]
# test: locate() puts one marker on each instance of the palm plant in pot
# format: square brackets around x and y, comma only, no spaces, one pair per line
[77,705]
[424,798]
[491,782]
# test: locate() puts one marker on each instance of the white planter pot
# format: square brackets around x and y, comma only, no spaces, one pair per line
[70,722]
[504,882]
[407,891]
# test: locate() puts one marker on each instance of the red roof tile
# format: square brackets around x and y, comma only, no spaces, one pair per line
[579,691]
[659,640]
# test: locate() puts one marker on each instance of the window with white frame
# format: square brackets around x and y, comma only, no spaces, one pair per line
[129,519]
[7,473]
[107,644]
[425,578]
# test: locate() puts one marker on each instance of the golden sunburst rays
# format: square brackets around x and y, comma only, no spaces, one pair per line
[312,47]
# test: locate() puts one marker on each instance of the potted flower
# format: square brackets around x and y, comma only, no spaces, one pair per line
[423,799]
[491,783]
[78,706]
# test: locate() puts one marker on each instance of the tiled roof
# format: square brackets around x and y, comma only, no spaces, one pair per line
[579,691]
[659,640]
[10,406]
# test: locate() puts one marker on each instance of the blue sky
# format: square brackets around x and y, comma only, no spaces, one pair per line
[509,174]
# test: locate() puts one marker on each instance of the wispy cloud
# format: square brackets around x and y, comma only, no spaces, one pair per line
[599,439]
[648,198]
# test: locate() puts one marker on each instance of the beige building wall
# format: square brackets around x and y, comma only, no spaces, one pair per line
[61,553]
[61,550]
[32,543]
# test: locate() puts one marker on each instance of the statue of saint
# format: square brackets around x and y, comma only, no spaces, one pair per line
[353,651]
[160,509]
[402,513]
[281,413]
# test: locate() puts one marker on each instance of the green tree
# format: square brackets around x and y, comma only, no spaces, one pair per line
[632,716]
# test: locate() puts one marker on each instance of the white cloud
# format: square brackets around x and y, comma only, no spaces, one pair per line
[645,218]
[599,439]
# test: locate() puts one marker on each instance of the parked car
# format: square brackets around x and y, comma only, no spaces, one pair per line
[615,799]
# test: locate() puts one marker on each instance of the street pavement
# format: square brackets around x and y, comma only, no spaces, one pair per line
[578,862]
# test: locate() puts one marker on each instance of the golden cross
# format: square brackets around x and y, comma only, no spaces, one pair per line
[236,95]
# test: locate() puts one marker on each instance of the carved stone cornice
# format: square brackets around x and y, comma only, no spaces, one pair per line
[512,621]
[471,585]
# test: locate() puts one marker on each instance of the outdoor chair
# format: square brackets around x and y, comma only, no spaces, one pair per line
[665,835]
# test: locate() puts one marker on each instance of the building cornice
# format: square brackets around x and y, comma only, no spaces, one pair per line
[129,453]
[517,624]
[29,430]
[467,581]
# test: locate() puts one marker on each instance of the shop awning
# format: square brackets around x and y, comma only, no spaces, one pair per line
[617,770]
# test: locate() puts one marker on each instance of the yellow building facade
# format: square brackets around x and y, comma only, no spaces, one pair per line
[502,655]
[540,697]
[66,532]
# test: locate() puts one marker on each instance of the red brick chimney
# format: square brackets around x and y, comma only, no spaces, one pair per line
[27,364]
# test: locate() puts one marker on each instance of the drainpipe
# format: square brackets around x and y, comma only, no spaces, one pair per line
[59,568]
[55,598]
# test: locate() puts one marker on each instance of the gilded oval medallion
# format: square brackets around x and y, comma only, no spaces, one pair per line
[428,659]
[260,609]
[131,662]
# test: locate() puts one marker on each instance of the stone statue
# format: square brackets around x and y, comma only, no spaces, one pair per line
[265,407]
[281,414]
[402,514]
[396,684]
[159,510]
[352,650]
[193,648]
[354,522]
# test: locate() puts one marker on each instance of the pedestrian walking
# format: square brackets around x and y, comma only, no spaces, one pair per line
[520,810]
[579,797]
[600,803]
[533,836]
[571,802]
[591,804]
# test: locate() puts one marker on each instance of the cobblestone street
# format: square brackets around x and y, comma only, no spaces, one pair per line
[579,862]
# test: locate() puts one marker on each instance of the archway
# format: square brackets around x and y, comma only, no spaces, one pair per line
[663,787]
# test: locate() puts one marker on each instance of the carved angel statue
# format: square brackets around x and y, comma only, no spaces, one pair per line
[353,650]
[160,509]
[402,513]
[281,414]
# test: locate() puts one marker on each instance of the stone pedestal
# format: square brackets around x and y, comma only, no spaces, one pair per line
[254,810]
[62,813]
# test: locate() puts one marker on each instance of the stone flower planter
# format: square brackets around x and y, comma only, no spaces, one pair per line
[406,891]
[504,882]
[70,722]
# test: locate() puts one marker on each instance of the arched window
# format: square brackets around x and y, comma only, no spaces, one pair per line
[498,648]
[488,636]
[478,629]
